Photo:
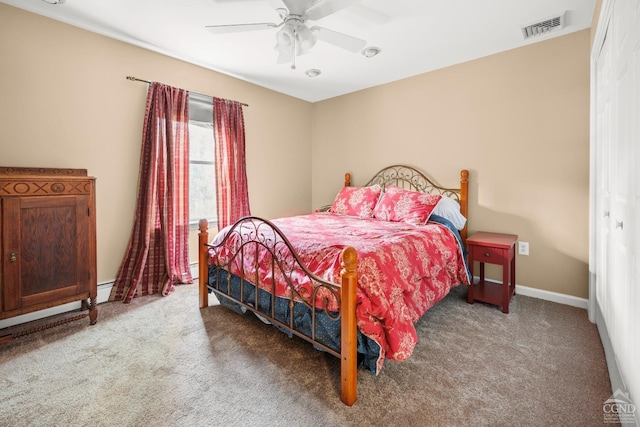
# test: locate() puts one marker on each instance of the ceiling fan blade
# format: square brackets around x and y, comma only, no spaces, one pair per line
[297,7]
[236,28]
[326,8]
[352,44]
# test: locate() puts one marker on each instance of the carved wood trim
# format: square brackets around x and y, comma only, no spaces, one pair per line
[19,186]
[14,170]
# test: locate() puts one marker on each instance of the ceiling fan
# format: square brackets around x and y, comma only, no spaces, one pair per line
[294,37]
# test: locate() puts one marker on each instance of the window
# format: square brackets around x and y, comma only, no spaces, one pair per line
[202,177]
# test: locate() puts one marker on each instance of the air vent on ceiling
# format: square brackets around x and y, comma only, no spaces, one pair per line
[551,24]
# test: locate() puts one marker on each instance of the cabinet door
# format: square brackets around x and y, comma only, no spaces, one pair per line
[46,250]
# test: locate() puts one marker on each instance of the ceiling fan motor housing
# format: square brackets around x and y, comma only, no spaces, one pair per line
[295,32]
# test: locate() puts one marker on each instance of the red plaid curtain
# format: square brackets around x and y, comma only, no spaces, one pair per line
[232,193]
[157,255]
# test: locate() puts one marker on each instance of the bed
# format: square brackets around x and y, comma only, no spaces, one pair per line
[351,278]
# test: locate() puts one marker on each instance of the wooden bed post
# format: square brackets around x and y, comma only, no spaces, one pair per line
[203,270]
[347,179]
[464,200]
[348,328]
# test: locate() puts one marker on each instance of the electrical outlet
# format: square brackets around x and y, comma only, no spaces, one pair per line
[523,248]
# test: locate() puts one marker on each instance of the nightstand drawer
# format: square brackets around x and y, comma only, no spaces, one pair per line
[490,255]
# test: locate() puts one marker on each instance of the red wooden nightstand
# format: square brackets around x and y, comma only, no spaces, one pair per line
[493,248]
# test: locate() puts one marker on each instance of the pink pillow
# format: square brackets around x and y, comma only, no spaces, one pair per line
[356,201]
[398,204]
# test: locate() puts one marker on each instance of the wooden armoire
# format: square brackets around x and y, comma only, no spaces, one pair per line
[47,240]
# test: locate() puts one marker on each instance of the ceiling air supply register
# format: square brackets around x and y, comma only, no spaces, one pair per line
[554,23]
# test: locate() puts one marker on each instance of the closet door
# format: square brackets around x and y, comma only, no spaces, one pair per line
[617,187]
[623,260]
[632,227]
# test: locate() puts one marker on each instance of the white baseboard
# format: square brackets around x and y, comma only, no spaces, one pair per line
[547,295]
[552,296]
[617,382]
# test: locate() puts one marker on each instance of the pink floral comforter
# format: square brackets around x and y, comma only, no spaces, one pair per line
[403,270]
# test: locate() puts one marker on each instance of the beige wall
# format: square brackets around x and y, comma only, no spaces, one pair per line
[65,102]
[518,120]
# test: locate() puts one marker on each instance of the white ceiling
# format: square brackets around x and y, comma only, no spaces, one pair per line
[415,36]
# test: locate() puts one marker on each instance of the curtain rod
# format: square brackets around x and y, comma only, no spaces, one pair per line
[147,81]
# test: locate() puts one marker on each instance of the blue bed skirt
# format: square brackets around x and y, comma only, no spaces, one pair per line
[327,325]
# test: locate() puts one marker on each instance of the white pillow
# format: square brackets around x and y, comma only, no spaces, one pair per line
[450,209]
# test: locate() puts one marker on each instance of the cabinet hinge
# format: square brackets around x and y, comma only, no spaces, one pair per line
[88,211]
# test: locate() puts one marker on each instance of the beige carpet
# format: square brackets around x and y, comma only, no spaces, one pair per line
[163,362]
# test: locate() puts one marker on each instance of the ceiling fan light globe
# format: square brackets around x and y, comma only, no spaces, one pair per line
[306,38]
[307,44]
[284,37]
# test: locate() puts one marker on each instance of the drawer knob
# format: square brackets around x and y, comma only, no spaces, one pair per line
[12,257]
[487,254]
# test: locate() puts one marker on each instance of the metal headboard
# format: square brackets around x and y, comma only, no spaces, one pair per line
[411,179]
